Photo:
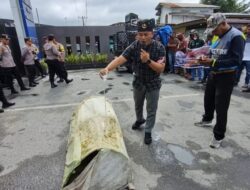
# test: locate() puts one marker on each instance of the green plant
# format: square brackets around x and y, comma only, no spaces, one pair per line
[86,58]
[44,65]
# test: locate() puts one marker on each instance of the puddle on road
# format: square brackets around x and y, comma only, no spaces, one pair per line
[119,75]
[25,95]
[110,85]
[176,81]
[181,154]
[105,91]
[84,79]
[81,93]
[197,87]
[110,78]
[1,168]
[126,83]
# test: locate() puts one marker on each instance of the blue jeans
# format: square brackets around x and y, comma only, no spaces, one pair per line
[152,98]
[171,60]
[197,72]
[247,78]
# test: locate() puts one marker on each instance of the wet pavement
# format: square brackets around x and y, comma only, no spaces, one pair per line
[33,136]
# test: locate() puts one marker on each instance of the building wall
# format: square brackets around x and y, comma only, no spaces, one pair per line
[61,32]
[174,19]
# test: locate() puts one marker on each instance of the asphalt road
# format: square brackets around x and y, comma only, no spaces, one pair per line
[33,136]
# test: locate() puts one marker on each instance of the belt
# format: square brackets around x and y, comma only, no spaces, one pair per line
[222,72]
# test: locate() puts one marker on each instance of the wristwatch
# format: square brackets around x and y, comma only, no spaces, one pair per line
[148,62]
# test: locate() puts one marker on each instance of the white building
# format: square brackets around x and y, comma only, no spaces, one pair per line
[175,13]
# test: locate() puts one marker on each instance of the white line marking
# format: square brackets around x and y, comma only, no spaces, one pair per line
[75,104]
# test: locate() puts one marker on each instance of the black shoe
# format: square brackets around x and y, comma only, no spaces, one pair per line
[14,92]
[147,138]
[1,110]
[69,81]
[7,104]
[32,85]
[53,85]
[24,88]
[43,76]
[246,90]
[34,82]
[61,80]
[138,124]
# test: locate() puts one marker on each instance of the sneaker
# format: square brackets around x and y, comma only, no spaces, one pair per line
[147,138]
[32,85]
[59,81]
[215,143]
[7,104]
[245,86]
[202,123]
[24,88]
[138,124]
[14,92]
[246,90]
[69,81]
[53,85]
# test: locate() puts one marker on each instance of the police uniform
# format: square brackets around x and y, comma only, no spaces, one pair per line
[37,63]
[61,60]
[8,66]
[28,57]
[52,55]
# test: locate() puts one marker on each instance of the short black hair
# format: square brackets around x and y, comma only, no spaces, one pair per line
[51,37]
[27,39]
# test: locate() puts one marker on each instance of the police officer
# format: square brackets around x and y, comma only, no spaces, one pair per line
[226,56]
[52,55]
[61,60]
[148,57]
[28,56]
[37,62]
[8,65]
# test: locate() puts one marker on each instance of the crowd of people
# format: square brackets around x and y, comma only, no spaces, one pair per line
[183,53]
[222,56]
[54,55]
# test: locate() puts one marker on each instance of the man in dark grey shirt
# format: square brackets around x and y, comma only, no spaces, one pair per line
[148,59]
[226,56]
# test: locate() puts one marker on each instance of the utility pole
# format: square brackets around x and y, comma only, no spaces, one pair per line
[38,20]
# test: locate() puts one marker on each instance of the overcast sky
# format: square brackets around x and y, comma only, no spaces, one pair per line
[99,12]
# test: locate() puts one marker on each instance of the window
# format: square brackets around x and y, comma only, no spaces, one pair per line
[87,40]
[68,45]
[78,45]
[111,44]
[68,40]
[97,44]
[166,19]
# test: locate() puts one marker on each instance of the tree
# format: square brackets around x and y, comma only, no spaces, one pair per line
[232,6]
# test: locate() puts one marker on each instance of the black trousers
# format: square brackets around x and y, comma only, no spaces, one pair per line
[63,69]
[2,97]
[9,73]
[31,71]
[39,67]
[55,68]
[217,98]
